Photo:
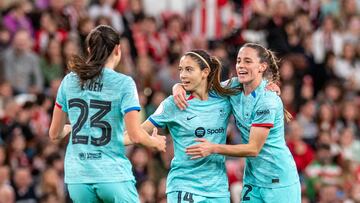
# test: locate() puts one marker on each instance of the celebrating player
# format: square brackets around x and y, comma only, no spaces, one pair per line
[270,171]
[202,180]
[97,101]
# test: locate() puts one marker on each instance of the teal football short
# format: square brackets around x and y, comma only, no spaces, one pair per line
[289,194]
[120,192]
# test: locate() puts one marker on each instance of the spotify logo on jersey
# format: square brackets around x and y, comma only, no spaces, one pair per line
[200,132]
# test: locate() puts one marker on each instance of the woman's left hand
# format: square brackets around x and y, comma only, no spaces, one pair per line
[273,87]
[201,150]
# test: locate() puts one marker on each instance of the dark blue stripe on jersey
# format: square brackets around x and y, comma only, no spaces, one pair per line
[135,108]
[154,122]
[253,94]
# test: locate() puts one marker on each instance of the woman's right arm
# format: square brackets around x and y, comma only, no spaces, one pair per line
[58,128]
[139,134]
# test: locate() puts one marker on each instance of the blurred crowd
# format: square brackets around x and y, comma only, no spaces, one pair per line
[318,42]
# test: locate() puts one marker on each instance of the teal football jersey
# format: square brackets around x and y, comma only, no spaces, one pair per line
[96,152]
[201,119]
[274,166]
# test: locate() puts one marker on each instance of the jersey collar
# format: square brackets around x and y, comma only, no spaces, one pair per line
[259,88]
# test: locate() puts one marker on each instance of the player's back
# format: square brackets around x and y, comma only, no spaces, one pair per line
[96,152]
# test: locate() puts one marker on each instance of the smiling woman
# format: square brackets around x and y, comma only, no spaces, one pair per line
[270,172]
[190,75]
[207,117]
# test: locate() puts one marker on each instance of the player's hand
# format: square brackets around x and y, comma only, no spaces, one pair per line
[66,131]
[273,87]
[160,141]
[201,150]
[179,96]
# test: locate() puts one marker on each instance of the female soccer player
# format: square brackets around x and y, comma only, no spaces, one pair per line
[97,100]
[270,172]
[202,180]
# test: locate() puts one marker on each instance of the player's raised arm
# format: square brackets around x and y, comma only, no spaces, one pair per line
[179,96]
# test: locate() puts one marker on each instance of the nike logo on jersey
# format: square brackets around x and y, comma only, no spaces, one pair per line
[189,118]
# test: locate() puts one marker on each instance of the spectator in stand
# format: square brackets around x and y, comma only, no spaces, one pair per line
[5,37]
[48,30]
[140,159]
[347,67]
[76,10]
[156,41]
[85,26]
[16,18]
[349,118]
[51,183]
[24,185]
[350,147]
[22,65]
[302,152]
[306,118]
[322,170]
[147,191]
[51,63]
[57,9]
[69,48]
[326,118]
[325,39]
[7,192]
[105,8]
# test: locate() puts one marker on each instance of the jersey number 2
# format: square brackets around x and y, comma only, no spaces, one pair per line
[95,121]
[248,190]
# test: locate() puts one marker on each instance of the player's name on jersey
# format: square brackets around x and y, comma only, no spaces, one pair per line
[93,86]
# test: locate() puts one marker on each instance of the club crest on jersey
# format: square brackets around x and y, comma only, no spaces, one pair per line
[82,156]
[222,112]
[200,132]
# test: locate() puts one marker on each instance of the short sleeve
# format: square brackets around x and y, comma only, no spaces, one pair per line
[130,98]
[61,96]
[265,112]
[162,115]
[232,83]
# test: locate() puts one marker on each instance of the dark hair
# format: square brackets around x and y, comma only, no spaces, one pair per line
[215,70]
[268,57]
[100,43]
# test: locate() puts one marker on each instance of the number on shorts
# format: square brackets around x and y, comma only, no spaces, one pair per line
[187,197]
[248,190]
[95,121]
